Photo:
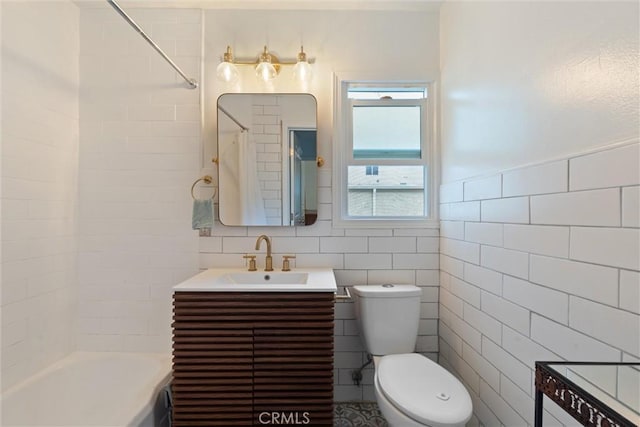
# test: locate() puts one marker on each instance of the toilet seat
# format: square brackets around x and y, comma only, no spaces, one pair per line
[423,390]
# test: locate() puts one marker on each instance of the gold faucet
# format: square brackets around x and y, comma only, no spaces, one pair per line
[268,265]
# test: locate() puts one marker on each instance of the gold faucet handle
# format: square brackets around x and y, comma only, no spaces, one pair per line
[252,262]
[285,262]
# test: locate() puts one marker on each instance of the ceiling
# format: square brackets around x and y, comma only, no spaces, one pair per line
[422,5]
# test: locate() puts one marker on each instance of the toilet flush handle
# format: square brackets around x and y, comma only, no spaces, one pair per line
[443,396]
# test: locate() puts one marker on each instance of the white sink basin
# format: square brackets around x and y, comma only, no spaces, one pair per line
[266,278]
[239,280]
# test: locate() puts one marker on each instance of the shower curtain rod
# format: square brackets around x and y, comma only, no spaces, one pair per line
[193,84]
[232,118]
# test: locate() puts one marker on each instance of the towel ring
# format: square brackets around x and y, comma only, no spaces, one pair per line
[207,180]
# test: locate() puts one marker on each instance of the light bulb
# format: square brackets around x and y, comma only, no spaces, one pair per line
[302,71]
[227,72]
[265,70]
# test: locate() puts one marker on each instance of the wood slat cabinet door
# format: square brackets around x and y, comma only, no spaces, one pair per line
[242,359]
[212,359]
[293,359]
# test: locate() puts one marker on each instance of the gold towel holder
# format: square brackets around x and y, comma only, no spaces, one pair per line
[207,180]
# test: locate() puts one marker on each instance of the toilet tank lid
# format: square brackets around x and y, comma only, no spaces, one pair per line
[386,291]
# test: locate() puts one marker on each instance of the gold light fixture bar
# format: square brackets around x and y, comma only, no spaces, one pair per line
[267,65]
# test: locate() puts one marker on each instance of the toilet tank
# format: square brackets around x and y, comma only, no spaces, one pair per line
[388,317]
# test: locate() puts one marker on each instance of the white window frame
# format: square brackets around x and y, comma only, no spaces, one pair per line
[343,155]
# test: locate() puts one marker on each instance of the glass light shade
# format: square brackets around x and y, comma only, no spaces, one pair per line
[302,71]
[227,72]
[265,71]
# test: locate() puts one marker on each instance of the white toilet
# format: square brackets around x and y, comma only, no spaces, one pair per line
[411,390]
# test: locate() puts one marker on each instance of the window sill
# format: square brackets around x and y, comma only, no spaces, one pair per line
[385,223]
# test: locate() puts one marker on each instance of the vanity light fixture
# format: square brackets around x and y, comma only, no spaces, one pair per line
[267,66]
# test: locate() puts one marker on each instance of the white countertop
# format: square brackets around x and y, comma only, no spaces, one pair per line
[217,280]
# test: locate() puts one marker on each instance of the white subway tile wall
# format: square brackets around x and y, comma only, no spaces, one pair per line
[609,168]
[630,203]
[552,241]
[40,115]
[139,155]
[481,232]
[512,209]
[266,135]
[618,247]
[560,284]
[577,208]
[630,291]
[485,188]
[539,179]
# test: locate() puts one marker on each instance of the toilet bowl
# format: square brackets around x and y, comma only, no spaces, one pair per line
[411,390]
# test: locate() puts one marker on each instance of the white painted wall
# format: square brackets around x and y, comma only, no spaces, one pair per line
[524,82]
[539,262]
[390,43]
[40,50]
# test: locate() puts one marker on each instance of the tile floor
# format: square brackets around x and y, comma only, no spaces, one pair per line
[358,414]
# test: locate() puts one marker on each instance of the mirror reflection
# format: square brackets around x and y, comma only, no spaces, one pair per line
[267,150]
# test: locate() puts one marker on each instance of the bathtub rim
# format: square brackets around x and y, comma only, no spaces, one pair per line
[137,410]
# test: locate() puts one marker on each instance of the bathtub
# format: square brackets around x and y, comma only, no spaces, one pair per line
[92,389]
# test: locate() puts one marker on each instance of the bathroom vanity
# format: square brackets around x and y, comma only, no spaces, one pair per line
[254,348]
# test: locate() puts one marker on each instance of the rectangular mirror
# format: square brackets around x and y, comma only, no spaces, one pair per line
[267,151]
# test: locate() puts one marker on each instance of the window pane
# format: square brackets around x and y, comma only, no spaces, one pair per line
[360,202]
[400,202]
[395,191]
[386,132]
